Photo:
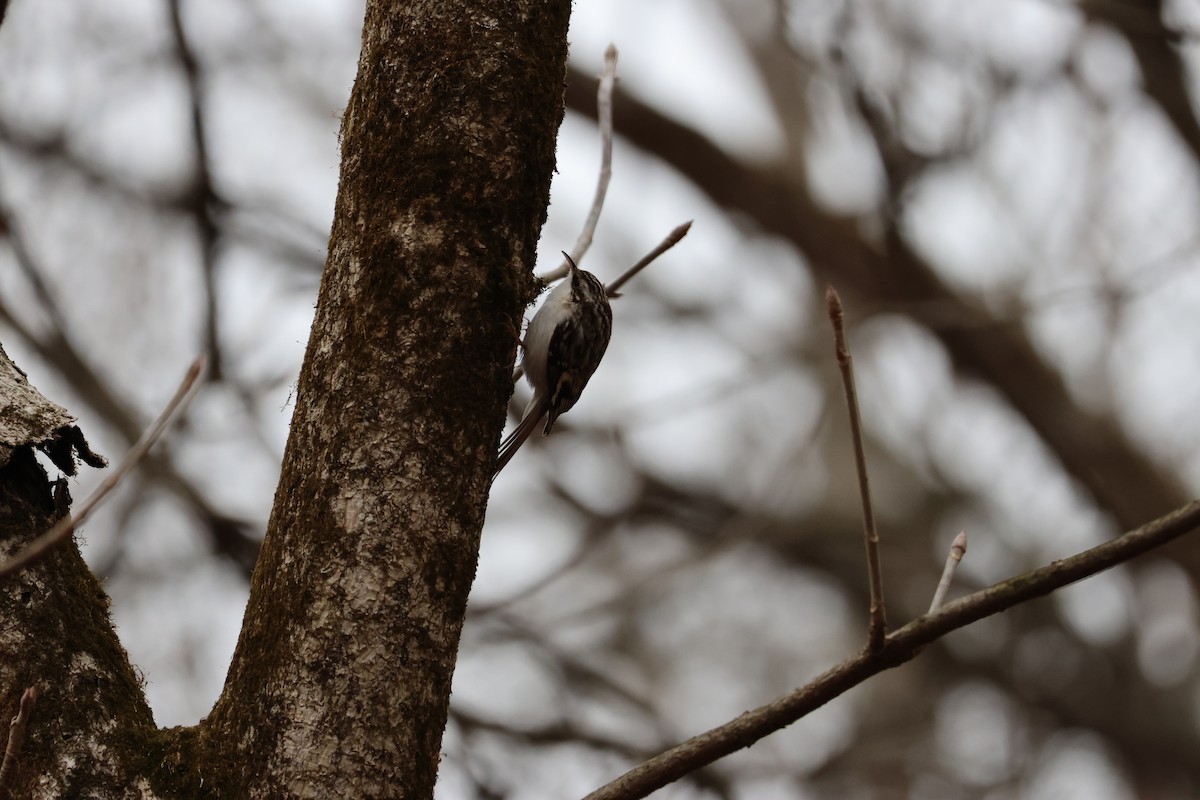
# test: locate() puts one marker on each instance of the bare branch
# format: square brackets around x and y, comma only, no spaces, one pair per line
[957,550]
[899,648]
[877,627]
[604,119]
[666,244]
[230,536]
[16,740]
[604,114]
[39,547]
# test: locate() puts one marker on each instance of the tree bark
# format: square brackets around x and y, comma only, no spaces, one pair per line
[91,729]
[340,683]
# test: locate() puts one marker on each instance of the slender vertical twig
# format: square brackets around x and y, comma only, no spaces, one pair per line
[957,550]
[877,627]
[604,119]
[62,530]
[16,740]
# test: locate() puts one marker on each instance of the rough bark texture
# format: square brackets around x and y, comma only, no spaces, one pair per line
[341,680]
[27,419]
[91,733]
[340,685]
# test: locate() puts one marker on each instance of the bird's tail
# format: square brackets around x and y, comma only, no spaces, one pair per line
[512,443]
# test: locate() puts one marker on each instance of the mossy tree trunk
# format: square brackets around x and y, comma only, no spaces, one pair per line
[341,680]
[91,728]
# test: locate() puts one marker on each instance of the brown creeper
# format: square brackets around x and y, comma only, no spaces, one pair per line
[563,346]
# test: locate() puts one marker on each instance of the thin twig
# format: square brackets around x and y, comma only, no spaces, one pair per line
[899,648]
[16,740]
[666,244]
[42,545]
[604,119]
[604,114]
[957,550]
[877,627]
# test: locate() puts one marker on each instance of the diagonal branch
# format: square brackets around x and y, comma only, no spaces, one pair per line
[230,536]
[899,648]
[40,547]
[1139,723]
[673,238]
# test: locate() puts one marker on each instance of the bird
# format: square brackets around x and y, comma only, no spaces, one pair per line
[563,346]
